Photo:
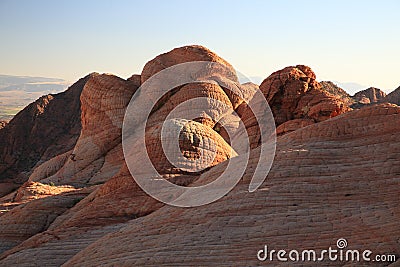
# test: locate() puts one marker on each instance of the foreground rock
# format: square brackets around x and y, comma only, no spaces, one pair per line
[308,201]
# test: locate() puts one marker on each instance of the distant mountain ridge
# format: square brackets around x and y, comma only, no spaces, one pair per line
[361,98]
[18,91]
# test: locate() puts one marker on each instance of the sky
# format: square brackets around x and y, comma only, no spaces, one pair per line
[346,41]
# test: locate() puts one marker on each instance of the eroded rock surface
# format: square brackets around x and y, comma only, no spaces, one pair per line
[334,175]
[293,93]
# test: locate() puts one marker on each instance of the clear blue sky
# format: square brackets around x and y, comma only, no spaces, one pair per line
[347,41]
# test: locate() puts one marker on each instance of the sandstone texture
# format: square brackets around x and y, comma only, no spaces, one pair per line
[97,155]
[293,93]
[321,188]
[69,199]
[368,96]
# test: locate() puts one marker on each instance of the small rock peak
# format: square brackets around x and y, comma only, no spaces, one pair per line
[372,94]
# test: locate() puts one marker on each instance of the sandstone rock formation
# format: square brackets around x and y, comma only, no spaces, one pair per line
[335,90]
[369,95]
[182,55]
[393,97]
[44,129]
[32,209]
[293,93]
[333,176]
[97,155]
[307,201]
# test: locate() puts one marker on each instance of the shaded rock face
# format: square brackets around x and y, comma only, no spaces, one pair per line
[293,93]
[42,130]
[393,97]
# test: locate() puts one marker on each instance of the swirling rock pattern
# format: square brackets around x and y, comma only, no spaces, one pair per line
[321,187]
[97,151]
[333,176]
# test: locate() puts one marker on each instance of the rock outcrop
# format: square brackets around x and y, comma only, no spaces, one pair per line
[44,129]
[97,155]
[32,210]
[335,90]
[293,93]
[369,95]
[181,55]
[393,97]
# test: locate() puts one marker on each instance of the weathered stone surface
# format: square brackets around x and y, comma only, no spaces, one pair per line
[181,55]
[333,179]
[36,206]
[293,93]
[3,124]
[292,125]
[98,150]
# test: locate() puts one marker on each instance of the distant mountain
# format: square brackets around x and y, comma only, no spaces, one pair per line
[350,87]
[18,91]
[253,79]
